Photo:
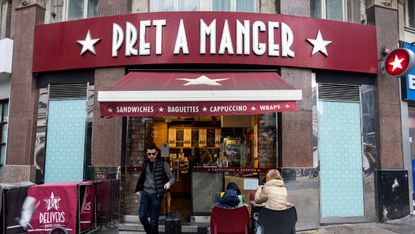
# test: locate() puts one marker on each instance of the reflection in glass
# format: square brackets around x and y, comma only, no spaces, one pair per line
[3,154]
[39,153]
[4,134]
[369,128]
[92,8]
[90,96]
[245,5]
[5,112]
[221,5]
[187,5]
[334,9]
[314,97]
[206,188]
[316,8]
[75,9]
[161,5]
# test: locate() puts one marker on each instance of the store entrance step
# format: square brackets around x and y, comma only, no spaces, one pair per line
[128,228]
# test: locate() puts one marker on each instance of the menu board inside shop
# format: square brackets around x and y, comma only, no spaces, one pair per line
[202,137]
[195,137]
[217,137]
[179,137]
[172,137]
[210,137]
[187,142]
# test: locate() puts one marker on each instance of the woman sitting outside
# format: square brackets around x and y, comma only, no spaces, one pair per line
[273,193]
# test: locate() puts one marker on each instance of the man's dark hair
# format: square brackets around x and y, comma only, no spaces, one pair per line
[153,146]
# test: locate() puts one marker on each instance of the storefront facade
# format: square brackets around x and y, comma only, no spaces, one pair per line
[226,96]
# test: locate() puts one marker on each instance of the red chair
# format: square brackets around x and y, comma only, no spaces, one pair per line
[233,221]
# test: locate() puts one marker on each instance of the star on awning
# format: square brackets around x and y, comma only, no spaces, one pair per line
[203,80]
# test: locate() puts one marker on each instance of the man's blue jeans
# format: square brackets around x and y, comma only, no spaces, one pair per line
[152,202]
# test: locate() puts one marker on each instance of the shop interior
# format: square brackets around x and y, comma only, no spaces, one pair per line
[206,153]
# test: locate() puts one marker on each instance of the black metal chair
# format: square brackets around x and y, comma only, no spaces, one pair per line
[277,221]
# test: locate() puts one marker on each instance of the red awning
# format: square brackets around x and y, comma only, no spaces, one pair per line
[198,94]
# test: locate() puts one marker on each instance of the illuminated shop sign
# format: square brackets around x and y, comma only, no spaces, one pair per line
[205,38]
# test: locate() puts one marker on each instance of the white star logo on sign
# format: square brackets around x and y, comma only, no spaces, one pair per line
[88,43]
[161,109]
[202,80]
[397,63]
[204,109]
[319,44]
[52,202]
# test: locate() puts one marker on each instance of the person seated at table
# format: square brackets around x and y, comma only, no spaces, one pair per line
[229,199]
[273,193]
[233,186]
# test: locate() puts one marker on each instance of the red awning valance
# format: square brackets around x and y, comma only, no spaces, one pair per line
[198,94]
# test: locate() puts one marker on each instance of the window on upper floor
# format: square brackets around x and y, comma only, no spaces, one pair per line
[78,9]
[234,5]
[204,5]
[410,13]
[342,10]
[4,117]
[5,18]
[61,10]
[173,5]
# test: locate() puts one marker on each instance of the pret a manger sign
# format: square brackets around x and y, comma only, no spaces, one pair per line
[205,38]
[247,36]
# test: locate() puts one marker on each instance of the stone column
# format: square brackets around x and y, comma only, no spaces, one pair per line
[391,204]
[106,132]
[23,95]
[297,131]
[297,126]
[388,98]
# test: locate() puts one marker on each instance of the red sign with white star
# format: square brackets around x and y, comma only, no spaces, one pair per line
[56,206]
[205,38]
[399,62]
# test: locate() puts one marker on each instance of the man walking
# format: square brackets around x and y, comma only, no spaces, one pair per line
[155,178]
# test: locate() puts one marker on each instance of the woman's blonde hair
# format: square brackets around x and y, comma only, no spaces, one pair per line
[273,174]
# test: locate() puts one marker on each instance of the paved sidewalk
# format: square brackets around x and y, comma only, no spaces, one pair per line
[405,225]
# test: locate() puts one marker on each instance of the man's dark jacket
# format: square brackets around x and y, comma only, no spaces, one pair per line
[160,177]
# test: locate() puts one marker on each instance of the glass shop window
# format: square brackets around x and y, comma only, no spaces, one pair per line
[199,5]
[173,5]
[4,117]
[234,5]
[208,142]
[78,9]
[410,13]
[342,10]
